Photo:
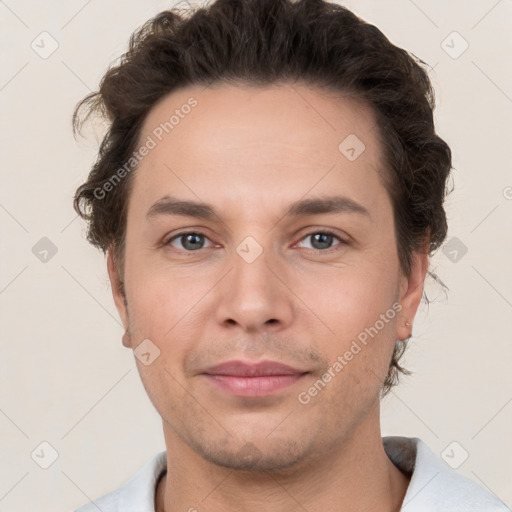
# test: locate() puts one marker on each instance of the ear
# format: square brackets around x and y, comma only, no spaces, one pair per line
[118,294]
[411,292]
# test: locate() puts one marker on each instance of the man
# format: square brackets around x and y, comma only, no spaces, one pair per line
[268,195]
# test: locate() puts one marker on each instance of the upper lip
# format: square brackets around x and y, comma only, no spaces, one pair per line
[243,369]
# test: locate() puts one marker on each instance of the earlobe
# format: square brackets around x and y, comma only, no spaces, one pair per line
[411,294]
[127,342]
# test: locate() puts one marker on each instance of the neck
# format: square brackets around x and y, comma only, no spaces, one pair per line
[355,474]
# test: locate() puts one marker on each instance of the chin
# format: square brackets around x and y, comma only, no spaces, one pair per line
[254,457]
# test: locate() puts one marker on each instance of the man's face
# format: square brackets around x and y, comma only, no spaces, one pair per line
[257,283]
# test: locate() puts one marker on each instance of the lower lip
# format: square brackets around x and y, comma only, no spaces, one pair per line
[254,386]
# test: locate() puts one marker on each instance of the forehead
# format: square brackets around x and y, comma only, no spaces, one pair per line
[223,116]
[244,143]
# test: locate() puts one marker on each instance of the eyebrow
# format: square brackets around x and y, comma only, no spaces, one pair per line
[169,205]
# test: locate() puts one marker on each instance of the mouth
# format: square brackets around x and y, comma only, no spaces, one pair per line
[253,380]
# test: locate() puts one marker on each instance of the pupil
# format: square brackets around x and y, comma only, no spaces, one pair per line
[195,238]
[325,240]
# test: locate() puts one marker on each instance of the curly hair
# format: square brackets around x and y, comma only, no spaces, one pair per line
[264,42]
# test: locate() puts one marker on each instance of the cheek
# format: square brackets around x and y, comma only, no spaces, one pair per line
[165,306]
[158,294]
[361,340]
[350,299]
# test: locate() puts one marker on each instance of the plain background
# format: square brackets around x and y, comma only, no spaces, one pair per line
[65,377]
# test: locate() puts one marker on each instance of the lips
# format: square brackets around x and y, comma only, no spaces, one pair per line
[253,380]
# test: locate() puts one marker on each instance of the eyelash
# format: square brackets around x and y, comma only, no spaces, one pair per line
[323,232]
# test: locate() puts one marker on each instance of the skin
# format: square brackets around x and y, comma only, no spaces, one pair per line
[251,152]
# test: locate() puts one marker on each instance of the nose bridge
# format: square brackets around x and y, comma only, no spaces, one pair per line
[253,296]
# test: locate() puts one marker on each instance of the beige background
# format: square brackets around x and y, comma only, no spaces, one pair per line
[65,377]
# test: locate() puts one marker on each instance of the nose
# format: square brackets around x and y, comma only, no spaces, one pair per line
[255,296]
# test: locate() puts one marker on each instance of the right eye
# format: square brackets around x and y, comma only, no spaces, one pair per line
[189,240]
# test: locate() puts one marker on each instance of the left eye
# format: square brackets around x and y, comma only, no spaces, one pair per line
[321,240]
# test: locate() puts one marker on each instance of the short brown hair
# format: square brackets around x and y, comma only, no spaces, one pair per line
[263,42]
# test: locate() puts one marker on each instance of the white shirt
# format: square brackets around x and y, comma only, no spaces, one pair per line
[434,487]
